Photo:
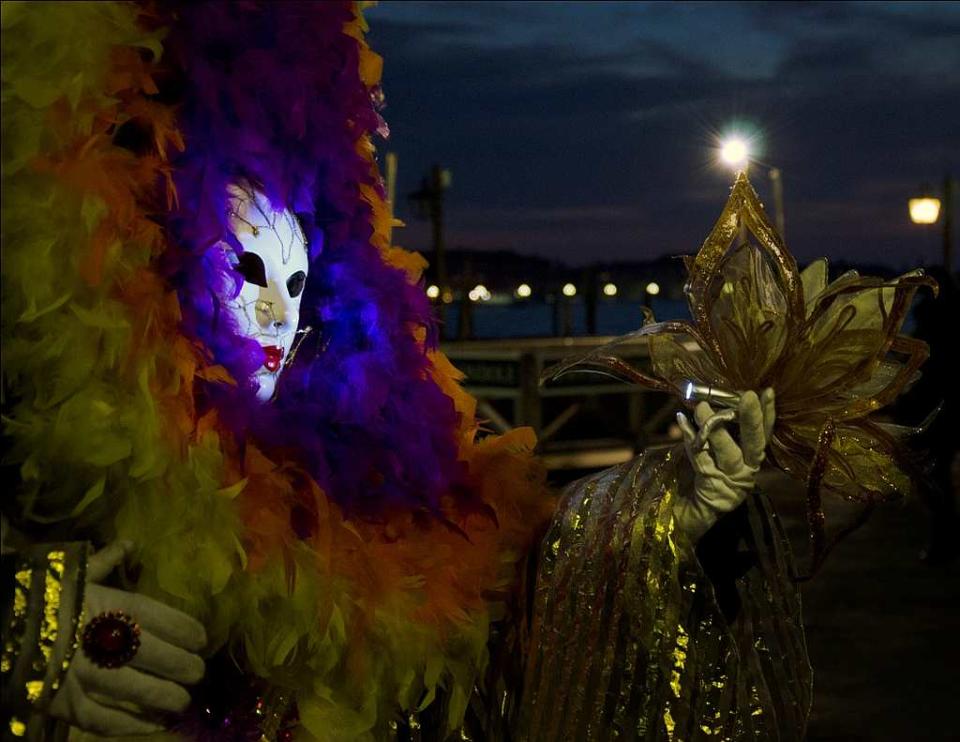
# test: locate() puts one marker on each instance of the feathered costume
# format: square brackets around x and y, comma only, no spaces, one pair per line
[349,544]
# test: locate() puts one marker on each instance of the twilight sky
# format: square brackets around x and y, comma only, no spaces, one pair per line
[585,131]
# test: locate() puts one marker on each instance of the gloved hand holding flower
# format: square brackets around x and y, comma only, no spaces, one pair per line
[724,472]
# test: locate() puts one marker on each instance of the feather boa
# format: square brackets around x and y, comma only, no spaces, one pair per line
[350,544]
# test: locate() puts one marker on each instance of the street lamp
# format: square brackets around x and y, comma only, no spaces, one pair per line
[524,291]
[433,291]
[924,210]
[569,290]
[735,152]
[479,293]
[928,209]
[610,289]
[649,291]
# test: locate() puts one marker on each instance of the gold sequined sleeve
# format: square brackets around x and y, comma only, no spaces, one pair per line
[628,640]
[43,601]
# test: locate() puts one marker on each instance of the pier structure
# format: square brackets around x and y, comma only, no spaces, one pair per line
[583,420]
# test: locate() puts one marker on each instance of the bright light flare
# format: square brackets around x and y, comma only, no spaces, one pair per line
[569,289]
[610,289]
[653,288]
[924,210]
[735,152]
[524,291]
[433,291]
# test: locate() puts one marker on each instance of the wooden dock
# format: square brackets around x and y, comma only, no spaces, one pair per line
[569,414]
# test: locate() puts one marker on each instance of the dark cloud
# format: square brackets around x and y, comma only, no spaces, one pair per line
[916,20]
[580,131]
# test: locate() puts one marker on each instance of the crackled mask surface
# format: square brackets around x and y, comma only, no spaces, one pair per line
[274,267]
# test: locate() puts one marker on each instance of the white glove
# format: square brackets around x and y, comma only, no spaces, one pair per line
[118,701]
[724,473]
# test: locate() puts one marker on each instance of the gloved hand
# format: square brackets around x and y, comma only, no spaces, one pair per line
[120,701]
[724,473]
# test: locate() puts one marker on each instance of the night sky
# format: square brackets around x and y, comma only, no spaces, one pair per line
[587,131]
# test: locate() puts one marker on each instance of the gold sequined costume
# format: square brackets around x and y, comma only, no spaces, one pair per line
[41,607]
[633,639]
[637,633]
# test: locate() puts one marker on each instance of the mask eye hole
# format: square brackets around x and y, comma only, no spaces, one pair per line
[250,266]
[295,283]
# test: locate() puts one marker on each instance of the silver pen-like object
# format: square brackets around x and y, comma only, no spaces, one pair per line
[694,392]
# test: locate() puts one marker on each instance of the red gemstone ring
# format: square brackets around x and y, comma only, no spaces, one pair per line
[111,639]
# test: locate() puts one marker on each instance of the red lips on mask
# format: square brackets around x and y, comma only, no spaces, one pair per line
[273,357]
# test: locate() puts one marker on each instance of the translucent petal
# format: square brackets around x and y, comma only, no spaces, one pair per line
[748,315]
[862,464]
[604,361]
[745,292]
[893,375]
[679,355]
[814,279]
[845,340]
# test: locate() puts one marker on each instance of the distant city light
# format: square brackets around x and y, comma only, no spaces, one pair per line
[653,288]
[735,152]
[433,291]
[610,289]
[447,296]
[569,289]
[924,210]
[479,293]
[524,291]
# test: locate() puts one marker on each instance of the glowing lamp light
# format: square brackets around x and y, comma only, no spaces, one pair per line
[735,153]
[524,291]
[610,289]
[569,289]
[924,210]
[479,293]
[653,288]
[433,291]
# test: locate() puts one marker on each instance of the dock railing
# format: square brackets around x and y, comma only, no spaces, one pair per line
[504,376]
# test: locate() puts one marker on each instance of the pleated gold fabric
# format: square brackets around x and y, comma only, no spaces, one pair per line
[628,640]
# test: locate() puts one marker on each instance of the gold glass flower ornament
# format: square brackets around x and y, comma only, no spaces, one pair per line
[832,352]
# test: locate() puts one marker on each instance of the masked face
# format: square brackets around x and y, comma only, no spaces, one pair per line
[274,267]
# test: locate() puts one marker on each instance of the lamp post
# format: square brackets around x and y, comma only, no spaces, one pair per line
[927,209]
[776,182]
[428,203]
[563,310]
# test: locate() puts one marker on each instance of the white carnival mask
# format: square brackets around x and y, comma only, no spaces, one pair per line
[274,265]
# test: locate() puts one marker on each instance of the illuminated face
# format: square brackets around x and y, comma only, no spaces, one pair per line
[274,267]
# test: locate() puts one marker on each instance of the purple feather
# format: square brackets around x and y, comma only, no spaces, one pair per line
[271,92]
